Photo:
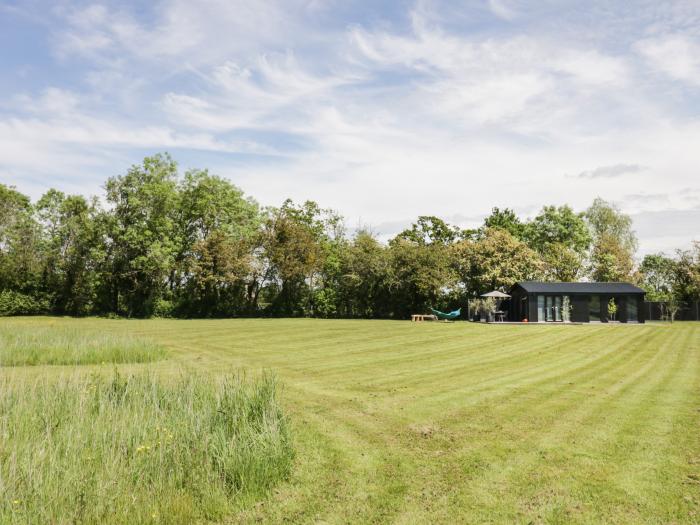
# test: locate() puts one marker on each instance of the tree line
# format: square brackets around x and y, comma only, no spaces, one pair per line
[162,244]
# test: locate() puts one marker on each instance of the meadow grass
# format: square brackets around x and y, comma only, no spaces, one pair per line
[135,449]
[399,422]
[22,345]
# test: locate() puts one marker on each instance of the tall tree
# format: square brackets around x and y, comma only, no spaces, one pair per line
[365,278]
[507,220]
[562,263]
[562,237]
[614,242]
[73,251]
[657,276]
[430,230]
[219,231]
[297,241]
[20,243]
[143,238]
[686,285]
[496,261]
[421,274]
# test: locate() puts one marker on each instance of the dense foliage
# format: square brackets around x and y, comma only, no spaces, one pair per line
[195,246]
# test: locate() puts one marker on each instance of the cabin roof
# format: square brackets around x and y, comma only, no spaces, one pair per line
[564,288]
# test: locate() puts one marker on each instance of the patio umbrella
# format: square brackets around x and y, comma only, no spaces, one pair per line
[496,294]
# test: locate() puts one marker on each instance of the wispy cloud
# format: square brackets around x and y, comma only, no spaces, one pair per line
[609,172]
[383,111]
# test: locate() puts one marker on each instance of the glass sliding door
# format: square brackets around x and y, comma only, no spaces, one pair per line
[552,305]
[540,309]
[594,308]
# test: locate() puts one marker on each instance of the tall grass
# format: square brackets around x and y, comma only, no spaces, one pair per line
[57,345]
[137,450]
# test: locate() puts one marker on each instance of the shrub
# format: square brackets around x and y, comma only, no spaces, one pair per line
[15,303]
[138,450]
[612,308]
[163,308]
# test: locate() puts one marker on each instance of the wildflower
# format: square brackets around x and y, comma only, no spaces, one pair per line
[16,502]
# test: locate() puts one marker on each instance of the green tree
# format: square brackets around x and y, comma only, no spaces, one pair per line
[496,261]
[562,263]
[217,268]
[298,241]
[73,249]
[210,203]
[365,278]
[614,242]
[686,285]
[220,229]
[20,243]
[562,238]
[421,275]
[506,220]
[142,236]
[657,276]
[430,230]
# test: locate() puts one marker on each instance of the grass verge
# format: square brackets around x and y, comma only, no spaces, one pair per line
[28,345]
[138,450]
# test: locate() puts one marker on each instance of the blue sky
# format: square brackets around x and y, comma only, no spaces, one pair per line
[381,110]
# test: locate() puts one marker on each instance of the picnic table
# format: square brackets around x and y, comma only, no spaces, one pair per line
[417,318]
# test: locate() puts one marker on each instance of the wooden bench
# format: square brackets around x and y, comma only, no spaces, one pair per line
[417,318]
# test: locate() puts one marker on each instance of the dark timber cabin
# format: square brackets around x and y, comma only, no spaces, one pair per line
[586,302]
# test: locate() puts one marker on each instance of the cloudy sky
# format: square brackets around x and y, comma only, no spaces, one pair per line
[381,110]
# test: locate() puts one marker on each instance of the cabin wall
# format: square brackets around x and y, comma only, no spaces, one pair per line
[532,305]
[640,308]
[579,312]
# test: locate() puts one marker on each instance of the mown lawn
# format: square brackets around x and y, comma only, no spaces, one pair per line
[425,423]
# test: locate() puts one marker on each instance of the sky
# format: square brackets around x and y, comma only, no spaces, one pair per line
[383,111]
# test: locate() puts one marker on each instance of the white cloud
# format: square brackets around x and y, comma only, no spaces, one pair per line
[675,55]
[381,119]
[607,172]
[502,9]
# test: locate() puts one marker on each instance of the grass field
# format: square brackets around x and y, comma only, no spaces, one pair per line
[60,344]
[425,423]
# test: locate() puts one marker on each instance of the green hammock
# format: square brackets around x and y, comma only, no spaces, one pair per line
[450,315]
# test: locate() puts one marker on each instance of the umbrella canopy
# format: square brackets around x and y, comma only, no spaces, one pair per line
[496,293]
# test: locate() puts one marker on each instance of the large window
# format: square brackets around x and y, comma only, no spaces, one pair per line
[594,308]
[549,308]
[554,308]
[632,313]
